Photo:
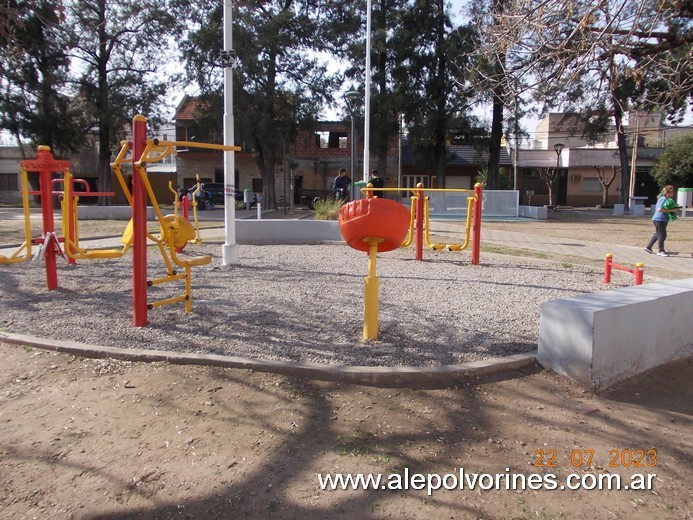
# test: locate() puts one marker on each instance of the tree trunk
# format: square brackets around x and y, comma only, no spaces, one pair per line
[266,162]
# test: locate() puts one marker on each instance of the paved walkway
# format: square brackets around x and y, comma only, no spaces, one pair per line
[623,255]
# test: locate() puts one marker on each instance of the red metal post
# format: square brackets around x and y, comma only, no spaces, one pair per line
[419,221]
[70,202]
[476,224]
[139,226]
[45,164]
[607,267]
[45,159]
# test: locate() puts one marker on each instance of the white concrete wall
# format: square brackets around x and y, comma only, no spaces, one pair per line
[278,231]
[110,213]
[601,338]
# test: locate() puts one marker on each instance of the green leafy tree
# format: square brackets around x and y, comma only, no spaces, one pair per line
[345,30]
[433,98]
[34,75]
[279,80]
[121,51]
[675,165]
[412,43]
[595,58]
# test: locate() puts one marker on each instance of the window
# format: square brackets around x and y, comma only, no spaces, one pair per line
[9,182]
[591,185]
[331,139]
[321,139]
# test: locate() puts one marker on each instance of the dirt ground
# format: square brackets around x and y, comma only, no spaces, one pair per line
[108,439]
[82,438]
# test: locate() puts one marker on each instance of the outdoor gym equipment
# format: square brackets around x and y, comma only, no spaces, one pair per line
[638,271]
[46,165]
[373,225]
[185,204]
[182,202]
[420,222]
[175,230]
[70,216]
[17,255]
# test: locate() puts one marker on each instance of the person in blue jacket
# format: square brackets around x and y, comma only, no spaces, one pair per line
[660,219]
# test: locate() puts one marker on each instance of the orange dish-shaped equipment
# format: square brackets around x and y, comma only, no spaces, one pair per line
[374,218]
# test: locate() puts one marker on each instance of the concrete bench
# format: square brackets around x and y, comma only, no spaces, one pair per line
[537,212]
[637,205]
[601,338]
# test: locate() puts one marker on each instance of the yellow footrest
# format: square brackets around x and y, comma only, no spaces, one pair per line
[195,260]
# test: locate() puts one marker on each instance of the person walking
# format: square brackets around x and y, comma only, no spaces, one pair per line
[340,186]
[660,218]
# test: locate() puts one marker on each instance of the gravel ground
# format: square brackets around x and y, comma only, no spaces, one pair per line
[304,304]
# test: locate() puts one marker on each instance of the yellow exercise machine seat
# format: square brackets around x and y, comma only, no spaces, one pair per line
[182,232]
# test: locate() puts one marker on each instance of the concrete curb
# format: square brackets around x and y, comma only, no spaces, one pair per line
[362,375]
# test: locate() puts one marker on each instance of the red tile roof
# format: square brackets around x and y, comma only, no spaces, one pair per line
[186,108]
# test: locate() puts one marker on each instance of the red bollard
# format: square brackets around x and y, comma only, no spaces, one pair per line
[185,204]
[639,273]
[608,260]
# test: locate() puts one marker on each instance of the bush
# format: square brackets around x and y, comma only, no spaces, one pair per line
[675,165]
[327,209]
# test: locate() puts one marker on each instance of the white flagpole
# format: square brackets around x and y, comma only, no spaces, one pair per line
[367,104]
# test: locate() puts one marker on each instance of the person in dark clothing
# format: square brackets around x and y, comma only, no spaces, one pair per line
[377,182]
[340,185]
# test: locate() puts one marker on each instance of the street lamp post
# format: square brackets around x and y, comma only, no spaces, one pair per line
[351,99]
[559,148]
[283,133]
[229,251]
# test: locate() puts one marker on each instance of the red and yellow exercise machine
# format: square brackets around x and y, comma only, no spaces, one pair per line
[49,242]
[420,222]
[376,225]
[175,230]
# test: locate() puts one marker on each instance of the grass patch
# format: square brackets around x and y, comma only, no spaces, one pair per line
[358,445]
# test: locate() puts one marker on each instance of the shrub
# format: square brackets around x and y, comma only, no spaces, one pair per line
[327,209]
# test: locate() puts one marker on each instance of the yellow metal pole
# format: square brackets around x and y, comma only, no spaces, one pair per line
[370,293]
